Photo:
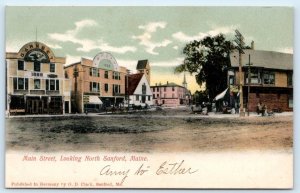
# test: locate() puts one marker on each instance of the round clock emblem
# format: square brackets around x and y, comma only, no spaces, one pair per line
[105,60]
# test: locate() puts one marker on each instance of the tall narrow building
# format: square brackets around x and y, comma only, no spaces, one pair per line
[184,83]
[144,67]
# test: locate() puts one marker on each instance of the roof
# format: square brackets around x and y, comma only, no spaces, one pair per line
[133,82]
[141,64]
[265,59]
[168,84]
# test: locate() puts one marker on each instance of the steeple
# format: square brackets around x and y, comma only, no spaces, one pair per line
[184,83]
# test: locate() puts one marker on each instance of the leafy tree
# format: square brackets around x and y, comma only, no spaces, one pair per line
[208,59]
[200,97]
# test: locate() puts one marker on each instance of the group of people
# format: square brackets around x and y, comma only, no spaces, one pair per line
[261,109]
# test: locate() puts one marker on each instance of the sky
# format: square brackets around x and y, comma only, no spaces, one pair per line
[155,33]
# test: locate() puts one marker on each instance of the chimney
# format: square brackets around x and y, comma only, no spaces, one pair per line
[167,82]
[252,45]
[155,84]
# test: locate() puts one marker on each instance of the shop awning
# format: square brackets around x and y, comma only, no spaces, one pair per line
[221,95]
[94,100]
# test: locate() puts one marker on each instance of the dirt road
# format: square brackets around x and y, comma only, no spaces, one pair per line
[147,132]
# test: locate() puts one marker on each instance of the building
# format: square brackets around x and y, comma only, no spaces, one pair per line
[270,79]
[97,83]
[171,94]
[143,66]
[36,82]
[139,90]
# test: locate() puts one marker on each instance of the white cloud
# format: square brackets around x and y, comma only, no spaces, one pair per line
[88,44]
[54,46]
[72,59]
[288,50]
[175,47]
[145,38]
[168,63]
[186,38]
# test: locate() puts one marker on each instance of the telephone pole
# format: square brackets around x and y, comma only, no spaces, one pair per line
[249,82]
[240,45]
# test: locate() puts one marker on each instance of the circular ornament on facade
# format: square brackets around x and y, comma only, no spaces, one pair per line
[106,61]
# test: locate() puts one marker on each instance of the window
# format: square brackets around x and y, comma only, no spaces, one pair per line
[255,77]
[154,96]
[173,88]
[116,75]
[231,80]
[94,72]
[37,84]
[52,84]
[165,95]
[37,66]
[268,77]
[144,88]
[106,87]
[94,87]
[157,95]
[173,96]
[165,89]
[137,97]
[116,88]
[290,101]
[52,67]
[106,74]
[290,78]
[20,83]
[149,98]
[157,89]
[20,65]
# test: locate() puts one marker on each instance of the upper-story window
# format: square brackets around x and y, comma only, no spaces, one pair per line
[255,77]
[290,78]
[37,83]
[116,76]
[94,72]
[37,66]
[20,65]
[52,67]
[268,77]
[106,74]
[116,88]
[173,89]
[106,87]
[165,89]
[94,87]
[20,83]
[144,88]
[52,84]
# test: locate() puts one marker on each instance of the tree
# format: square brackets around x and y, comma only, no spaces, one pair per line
[208,59]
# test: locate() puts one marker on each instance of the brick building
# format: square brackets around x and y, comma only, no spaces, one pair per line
[97,83]
[36,82]
[270,81]
[171,94]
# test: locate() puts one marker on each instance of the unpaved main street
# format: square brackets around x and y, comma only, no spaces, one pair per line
[169,130]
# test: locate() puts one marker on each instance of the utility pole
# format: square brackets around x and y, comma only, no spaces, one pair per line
[249,82]
[240,45]
[75,75]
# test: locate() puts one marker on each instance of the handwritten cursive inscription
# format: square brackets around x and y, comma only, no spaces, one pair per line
[176,168]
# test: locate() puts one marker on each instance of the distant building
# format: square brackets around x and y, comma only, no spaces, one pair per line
[36,82]
[143,66]
[171,94]
[139,90]
[97,83]
[271,79]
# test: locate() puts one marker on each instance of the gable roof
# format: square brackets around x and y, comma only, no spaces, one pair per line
[142,64]
[265,59]
[133,82]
